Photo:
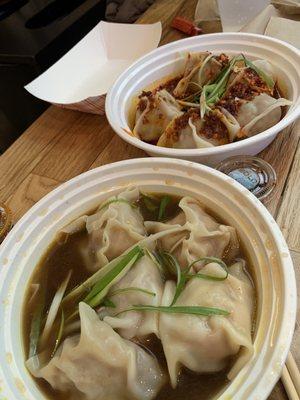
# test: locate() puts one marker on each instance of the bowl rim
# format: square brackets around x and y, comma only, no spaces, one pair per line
[267,382]
[173,152]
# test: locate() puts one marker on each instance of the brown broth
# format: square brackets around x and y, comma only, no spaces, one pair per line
[63,256]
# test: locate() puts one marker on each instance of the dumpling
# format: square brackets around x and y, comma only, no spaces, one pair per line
[266,67]
[154,112]
[189,131]
[192,66]
[113,229]
[203,235]
[210,68]
[100,365]
[261,113]
[144,275]
[205,344]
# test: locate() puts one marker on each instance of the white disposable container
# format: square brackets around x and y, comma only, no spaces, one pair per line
[169,59]
[273,269]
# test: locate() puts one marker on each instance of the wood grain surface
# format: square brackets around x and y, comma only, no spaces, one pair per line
[62,144]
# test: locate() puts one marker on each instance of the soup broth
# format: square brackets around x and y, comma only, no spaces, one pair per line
[65,254]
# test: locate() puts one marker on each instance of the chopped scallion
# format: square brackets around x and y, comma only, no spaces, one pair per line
[192,310]
[132,289]
[162,207]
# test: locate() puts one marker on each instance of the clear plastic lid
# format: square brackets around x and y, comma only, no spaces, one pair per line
[253,173]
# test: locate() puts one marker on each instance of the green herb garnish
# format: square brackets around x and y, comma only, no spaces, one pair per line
[60,332]
[207,260]
[108,303]
[192,310]
[262,74]
[101,288]
[162,207]
[132,289]
[35,329]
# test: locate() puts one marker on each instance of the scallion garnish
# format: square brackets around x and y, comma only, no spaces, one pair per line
[171,262]
[192,310]
[207,260]
[132,289]
[35,328]
[108,303]
[262,74]
[150,202]
[162,207]
[60,332]
[153,256]
[101,288]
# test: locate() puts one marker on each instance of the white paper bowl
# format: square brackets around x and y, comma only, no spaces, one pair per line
[169,59]
[274,275]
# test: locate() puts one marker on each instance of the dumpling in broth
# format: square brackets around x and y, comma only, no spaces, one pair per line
[154,112]
[144,275]
[203,235]
[100,365]
[204,344]
[115,227]
[261,113]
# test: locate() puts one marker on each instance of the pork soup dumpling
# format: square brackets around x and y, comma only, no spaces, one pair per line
[154,112]
[101,365]
[115,227]
[143,275]
[202,236]
[204,344]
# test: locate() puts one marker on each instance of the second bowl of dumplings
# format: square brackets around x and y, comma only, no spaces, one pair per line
[207,98]
[148,279]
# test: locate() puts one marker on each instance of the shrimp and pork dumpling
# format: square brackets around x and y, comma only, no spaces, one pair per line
[205,344]
[116,226]
[154,112]
[146,276]
[203,236]
[101,365]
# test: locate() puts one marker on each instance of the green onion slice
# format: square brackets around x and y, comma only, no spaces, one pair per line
[207,260]
[108,303]
[132,289]
[192,310]
[101,288]
[60,333]
[264,76]
[162,207]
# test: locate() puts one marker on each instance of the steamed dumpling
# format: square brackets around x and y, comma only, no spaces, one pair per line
[190,131]
[113,229]
[203,235]
[261,113]
[100,365]
[154,112]
[192,66]
[205,344]
[144,275]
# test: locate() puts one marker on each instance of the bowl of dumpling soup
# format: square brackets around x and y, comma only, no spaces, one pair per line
[149,279]
[208,98]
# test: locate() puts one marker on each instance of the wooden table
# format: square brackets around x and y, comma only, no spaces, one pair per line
[63,143]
